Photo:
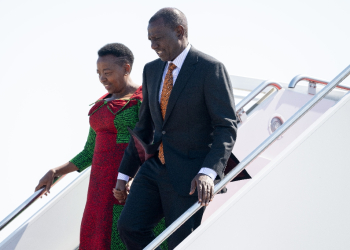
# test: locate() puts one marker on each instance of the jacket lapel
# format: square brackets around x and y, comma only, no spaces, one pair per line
[186,71]
[155,90]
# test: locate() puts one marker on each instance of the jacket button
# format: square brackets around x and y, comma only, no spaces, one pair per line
[163,132]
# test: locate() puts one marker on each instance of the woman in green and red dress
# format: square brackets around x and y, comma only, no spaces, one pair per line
[110,117]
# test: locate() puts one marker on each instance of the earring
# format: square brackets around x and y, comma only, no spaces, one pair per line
[126,74]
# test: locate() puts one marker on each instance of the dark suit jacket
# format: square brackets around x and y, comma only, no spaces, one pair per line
[199,129]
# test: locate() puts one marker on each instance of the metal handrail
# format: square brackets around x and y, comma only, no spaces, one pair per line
[240,106]
[25,204]
[261,148]
[301,77]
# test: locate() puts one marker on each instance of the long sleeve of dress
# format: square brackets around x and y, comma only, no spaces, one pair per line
[84,158]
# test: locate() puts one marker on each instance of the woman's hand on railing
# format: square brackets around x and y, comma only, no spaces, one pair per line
[49,178]
[46,181]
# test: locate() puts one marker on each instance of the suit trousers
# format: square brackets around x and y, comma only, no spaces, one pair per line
[151,198]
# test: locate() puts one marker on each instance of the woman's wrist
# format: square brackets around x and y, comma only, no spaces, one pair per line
[54,172]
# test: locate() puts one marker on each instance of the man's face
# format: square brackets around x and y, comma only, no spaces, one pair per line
[164,40]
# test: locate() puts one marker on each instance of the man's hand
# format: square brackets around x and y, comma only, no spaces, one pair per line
[120,191]
[205,188]
[128,185]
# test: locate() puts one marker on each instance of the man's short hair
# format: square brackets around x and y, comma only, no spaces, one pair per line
[172,18]
[119,50]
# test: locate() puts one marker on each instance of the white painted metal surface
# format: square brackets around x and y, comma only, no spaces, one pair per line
[298,201]
[256,129]
[57,225]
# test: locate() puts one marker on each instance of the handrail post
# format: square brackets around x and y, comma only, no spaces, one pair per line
[313,82]
[261,148]
[240,113]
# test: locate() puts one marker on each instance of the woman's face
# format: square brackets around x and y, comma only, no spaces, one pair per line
[111,74]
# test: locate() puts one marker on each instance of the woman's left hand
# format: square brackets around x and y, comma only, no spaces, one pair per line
[119,195]
[121,191]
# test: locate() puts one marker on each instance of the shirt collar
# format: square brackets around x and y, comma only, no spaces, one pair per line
[179,60]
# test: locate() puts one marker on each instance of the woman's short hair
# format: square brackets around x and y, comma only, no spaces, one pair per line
[119,50]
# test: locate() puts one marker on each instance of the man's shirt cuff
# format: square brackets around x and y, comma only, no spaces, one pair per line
[207,171]
[123,177]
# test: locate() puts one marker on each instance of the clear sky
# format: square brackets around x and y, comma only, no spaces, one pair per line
[48,63]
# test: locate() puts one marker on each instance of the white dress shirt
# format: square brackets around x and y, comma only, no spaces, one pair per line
[178,61]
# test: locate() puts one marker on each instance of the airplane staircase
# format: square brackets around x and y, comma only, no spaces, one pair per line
[265,135]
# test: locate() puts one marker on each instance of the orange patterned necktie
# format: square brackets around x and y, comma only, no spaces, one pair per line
[167,88]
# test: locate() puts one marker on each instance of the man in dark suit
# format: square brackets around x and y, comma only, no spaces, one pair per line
[188,119]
